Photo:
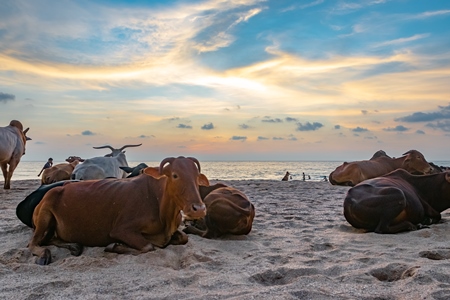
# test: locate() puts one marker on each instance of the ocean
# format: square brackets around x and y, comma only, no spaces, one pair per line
[220,170]
[229,170]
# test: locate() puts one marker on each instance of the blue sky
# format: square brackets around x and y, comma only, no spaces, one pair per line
[228,80]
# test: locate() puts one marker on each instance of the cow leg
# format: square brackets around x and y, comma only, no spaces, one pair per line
[44,228]
[124,249]
[75,248]
[178,238]
[133,242]
[5,175]
[431,215]
[194,230]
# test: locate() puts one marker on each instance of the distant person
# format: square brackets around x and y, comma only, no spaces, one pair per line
[47,165]
[304,177]
[309,177]
[324,178]
[286,177]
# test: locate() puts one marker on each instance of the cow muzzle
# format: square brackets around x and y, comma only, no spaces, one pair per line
[195,211]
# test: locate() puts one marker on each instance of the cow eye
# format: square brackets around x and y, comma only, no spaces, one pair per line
[174,176]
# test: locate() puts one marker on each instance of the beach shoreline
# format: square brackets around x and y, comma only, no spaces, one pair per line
[300,247]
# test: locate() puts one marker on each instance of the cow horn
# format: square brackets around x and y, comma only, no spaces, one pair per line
[26,130]
[129,146]
[102,147]
[196,162]
[165,161]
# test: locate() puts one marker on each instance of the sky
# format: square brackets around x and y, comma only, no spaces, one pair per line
[276,80]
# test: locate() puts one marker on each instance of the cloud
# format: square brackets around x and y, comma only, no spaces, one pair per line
[292,137]
[238,138]
[399,128]
[429,14]
[289,119]
[441,125]
[208,126]
[184,126]
[444,113]
[360,129]
[6,97]
[262,138]
[143,136]
[277,138]
[364,112]
[173,119]
[309,126]
[420,132]
[244,126]
[268,119]
[337,126]
[88,132]
[403,40]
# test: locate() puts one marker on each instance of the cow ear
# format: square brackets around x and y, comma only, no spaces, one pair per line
[203,180]
[152,171]
[447,176]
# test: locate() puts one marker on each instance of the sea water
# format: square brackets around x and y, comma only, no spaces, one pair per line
[230,170]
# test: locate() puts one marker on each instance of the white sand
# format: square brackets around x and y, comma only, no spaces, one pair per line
[301,247]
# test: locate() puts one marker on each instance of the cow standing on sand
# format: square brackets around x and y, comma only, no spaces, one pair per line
[131,215]
[12,146]
[398,201]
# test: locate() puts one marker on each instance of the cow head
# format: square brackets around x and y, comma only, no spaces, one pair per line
[415,163]
[182,184]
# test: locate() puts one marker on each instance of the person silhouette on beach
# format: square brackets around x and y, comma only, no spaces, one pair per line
[304,177]
[47,165]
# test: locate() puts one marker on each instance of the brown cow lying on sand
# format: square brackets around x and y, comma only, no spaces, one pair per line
[131,215]
[58,172]
[398,201]
[228,211]
[354,172]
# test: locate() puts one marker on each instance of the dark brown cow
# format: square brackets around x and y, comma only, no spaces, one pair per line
[131,215]
[354,172]
[58,172]
[398,201]
[228,211]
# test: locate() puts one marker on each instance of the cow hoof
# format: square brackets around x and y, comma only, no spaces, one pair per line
[76,249]
[45,258]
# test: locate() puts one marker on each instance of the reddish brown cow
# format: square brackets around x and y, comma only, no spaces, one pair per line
[58,172]
[131,215]
[228,211]
[398,201]
[354,172]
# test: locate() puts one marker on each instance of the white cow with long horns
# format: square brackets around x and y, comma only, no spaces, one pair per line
[103,166]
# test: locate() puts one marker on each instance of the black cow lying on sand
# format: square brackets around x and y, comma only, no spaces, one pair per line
[398,201]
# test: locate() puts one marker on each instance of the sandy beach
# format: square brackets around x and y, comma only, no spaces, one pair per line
[301,247]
